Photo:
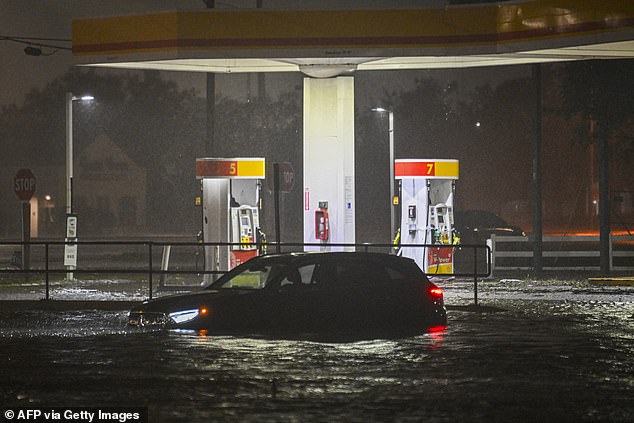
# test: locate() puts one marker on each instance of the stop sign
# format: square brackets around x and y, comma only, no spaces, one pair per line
[24,184]
[287,177]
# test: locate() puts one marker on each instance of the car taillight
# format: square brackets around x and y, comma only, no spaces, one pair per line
[434,291]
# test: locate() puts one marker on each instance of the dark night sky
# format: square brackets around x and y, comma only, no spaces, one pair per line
[52,19]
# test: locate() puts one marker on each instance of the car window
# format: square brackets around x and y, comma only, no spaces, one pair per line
[299,275]
[396,274]
[255,278]
[325,274]
[353,272]
[254,274]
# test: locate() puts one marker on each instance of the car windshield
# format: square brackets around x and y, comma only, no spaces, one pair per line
[250,276]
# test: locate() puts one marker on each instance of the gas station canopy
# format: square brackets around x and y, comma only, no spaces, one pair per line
[329,43]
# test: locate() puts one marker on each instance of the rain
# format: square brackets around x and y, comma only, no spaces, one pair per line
[527,339]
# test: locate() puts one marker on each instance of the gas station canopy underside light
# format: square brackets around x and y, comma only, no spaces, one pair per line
[329,43]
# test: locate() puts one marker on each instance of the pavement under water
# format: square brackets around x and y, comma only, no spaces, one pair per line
[541,350]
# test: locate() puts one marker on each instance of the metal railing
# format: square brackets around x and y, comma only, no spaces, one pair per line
[145,257]
[577,253]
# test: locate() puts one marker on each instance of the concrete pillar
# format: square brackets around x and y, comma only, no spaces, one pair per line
[329,158]
[604,201]
[536,179]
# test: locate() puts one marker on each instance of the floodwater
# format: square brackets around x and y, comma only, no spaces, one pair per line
[558,351]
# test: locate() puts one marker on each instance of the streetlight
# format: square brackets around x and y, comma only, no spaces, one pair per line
[69,172]
[391,140]
[69,147]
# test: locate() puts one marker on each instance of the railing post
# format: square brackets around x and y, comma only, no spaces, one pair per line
[46,269]
[491,243]
[150,268]
[165,262]
[475,275]
[489,260]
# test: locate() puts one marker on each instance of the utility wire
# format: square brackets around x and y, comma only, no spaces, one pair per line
[19,37]
[26,40]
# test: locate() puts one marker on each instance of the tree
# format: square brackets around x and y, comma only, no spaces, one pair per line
[158,126]
[595,96]
[600,91]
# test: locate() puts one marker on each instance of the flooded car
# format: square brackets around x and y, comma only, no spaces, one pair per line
[305,293]
[476,226]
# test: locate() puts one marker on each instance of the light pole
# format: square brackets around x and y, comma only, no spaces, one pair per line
[69,179]
[69,147]
[391,141]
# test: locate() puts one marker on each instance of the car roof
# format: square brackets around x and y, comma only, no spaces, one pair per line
[324,255]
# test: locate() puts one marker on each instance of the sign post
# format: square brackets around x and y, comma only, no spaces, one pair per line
[287,177]
[70,248]
[283,181]
[24,186]
[276,201]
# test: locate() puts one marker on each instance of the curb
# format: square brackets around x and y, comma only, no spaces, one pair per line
[624,281]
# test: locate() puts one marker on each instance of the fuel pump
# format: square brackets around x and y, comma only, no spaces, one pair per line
[244,227]
[231,210]
[440,259]
[441,221]
[427,190]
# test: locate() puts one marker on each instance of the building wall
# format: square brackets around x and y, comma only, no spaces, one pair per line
[110,189]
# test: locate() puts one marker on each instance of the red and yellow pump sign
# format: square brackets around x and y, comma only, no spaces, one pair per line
[234,168]
[439,260]
[441,169]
